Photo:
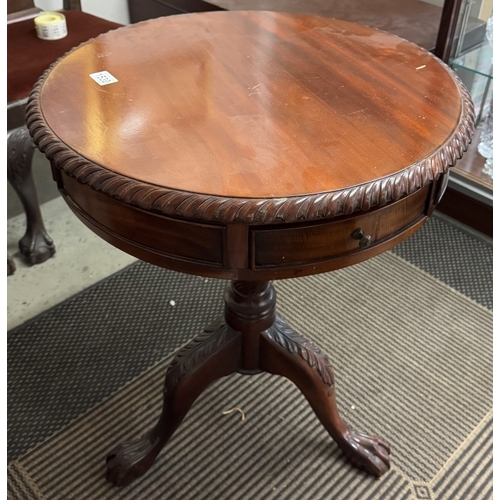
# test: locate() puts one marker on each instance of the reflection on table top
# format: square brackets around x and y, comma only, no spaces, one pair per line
[252,104]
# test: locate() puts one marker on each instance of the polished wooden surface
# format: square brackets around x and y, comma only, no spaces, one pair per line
[252,145]
[247,252]
[252,104]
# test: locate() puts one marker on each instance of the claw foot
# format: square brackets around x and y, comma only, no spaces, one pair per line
[367,453]
[37,248]
[11,267]
[130,460]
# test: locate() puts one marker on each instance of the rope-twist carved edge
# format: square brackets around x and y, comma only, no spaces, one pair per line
[212,208]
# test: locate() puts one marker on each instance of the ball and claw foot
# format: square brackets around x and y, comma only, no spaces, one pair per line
[129,461]
[38,247]
[11,267]
[367,453]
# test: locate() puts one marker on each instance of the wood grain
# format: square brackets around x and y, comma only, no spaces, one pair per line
[255,105]
[384,175]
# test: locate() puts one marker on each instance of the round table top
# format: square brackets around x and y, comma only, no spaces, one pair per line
[252,105]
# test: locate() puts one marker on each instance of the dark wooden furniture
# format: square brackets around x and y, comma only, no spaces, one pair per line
[251,146]
[460,202]
[142,10]
[27,58]
[429,26]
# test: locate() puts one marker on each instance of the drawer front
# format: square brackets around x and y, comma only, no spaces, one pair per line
[202,243]
[290,246]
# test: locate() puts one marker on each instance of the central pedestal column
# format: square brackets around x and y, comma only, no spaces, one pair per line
[249,339]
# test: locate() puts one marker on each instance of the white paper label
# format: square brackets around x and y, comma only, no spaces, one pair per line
[103,77]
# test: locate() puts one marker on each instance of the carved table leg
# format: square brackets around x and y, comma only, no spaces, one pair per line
[213,354]
[285,352]
[249,339]
[36,244]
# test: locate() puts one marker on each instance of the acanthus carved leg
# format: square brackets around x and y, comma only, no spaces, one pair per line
[285,352]
[36,245]
[249,338]
[213,354]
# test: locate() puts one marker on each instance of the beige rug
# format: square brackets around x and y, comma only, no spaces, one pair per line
[413,364]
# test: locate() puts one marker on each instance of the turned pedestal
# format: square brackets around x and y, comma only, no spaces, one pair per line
[250,338]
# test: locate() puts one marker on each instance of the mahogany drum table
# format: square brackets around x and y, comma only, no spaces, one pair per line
[250,146]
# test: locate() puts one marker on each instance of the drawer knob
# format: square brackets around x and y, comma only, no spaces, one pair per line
[365,240]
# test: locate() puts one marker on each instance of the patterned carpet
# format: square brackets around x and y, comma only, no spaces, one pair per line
[413,365]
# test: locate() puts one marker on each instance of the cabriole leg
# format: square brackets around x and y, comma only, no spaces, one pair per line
[36,245]
[284,352]
[213,354]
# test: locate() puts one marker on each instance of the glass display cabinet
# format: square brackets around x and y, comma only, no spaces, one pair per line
[469,197]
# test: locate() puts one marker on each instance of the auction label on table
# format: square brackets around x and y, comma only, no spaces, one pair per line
[103,77]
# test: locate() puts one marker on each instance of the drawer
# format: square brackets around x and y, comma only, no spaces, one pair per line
[287,246]
[177,239]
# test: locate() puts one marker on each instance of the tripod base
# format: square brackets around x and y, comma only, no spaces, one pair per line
[250,338]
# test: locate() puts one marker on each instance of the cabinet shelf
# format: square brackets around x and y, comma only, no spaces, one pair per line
[469,171]
[478,60]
